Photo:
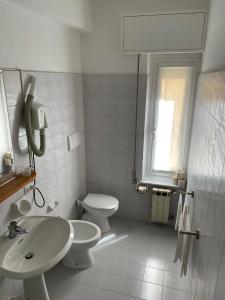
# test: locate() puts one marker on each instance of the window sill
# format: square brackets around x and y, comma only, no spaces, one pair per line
[161,181]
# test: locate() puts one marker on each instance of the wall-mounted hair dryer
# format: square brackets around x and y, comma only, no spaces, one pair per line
[35,119]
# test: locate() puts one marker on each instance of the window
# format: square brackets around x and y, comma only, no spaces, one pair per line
[171,87]
[172,95]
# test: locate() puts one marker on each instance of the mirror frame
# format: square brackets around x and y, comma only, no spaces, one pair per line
[10,182]
[5,175]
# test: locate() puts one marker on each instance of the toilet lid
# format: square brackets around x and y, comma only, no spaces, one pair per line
[100,201]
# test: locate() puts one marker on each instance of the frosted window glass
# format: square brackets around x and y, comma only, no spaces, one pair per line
[173,89]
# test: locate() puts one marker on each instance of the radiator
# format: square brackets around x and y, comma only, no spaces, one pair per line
[160,205]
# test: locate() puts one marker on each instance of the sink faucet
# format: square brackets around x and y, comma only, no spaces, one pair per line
[14,230]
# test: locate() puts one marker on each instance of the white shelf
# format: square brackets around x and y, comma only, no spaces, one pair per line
[161,181]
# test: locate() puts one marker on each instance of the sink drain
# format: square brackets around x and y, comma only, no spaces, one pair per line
[29,255]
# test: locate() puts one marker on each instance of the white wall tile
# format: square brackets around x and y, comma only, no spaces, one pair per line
[61,175]
[109,106]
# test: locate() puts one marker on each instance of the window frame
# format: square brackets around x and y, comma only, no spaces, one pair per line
[155,62]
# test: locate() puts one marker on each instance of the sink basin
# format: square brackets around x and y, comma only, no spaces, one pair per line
[29,255]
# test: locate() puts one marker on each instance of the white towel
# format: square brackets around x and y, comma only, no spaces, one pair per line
[179,212]
[187,219]
[180,240]
[179,227]
[184,241]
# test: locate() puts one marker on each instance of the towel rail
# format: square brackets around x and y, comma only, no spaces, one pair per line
[196,233]
[144,188]
[192,193]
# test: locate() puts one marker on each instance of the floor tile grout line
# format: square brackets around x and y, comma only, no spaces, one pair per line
[133,249]
[125,249]
[108,290]
[105,271]
[119,292]
[122,277]
[143,265]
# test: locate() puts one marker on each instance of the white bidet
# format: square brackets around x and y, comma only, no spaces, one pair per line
[86,236]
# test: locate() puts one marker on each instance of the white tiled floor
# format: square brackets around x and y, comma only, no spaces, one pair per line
[133,261]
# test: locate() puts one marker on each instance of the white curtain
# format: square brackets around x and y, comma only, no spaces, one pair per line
[172,95]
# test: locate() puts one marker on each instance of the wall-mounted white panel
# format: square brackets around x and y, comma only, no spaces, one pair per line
[101,50]
[164,32]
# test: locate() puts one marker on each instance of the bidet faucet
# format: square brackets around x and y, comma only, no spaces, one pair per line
[14,230]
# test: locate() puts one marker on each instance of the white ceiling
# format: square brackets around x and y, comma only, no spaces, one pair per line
[71,13]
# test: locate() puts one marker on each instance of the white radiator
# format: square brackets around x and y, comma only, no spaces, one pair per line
[160,205]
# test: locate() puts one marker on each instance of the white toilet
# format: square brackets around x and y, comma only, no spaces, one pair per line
[86,236]
[98,208]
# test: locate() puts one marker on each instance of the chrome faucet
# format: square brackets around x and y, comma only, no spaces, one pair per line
[14,230]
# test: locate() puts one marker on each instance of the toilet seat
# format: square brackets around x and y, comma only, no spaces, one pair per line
[101,202]
[98,208]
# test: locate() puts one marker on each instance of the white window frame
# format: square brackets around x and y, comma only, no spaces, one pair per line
[155,61]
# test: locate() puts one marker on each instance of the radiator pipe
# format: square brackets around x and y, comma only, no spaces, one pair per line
[134,173]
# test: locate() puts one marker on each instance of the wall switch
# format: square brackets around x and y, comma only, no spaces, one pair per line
[73,140]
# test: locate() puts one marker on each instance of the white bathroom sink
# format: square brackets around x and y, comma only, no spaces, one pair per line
[46,242]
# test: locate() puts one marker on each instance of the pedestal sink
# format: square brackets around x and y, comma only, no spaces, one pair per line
[28,256]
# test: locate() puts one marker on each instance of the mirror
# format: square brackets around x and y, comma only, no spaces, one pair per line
[6,150]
